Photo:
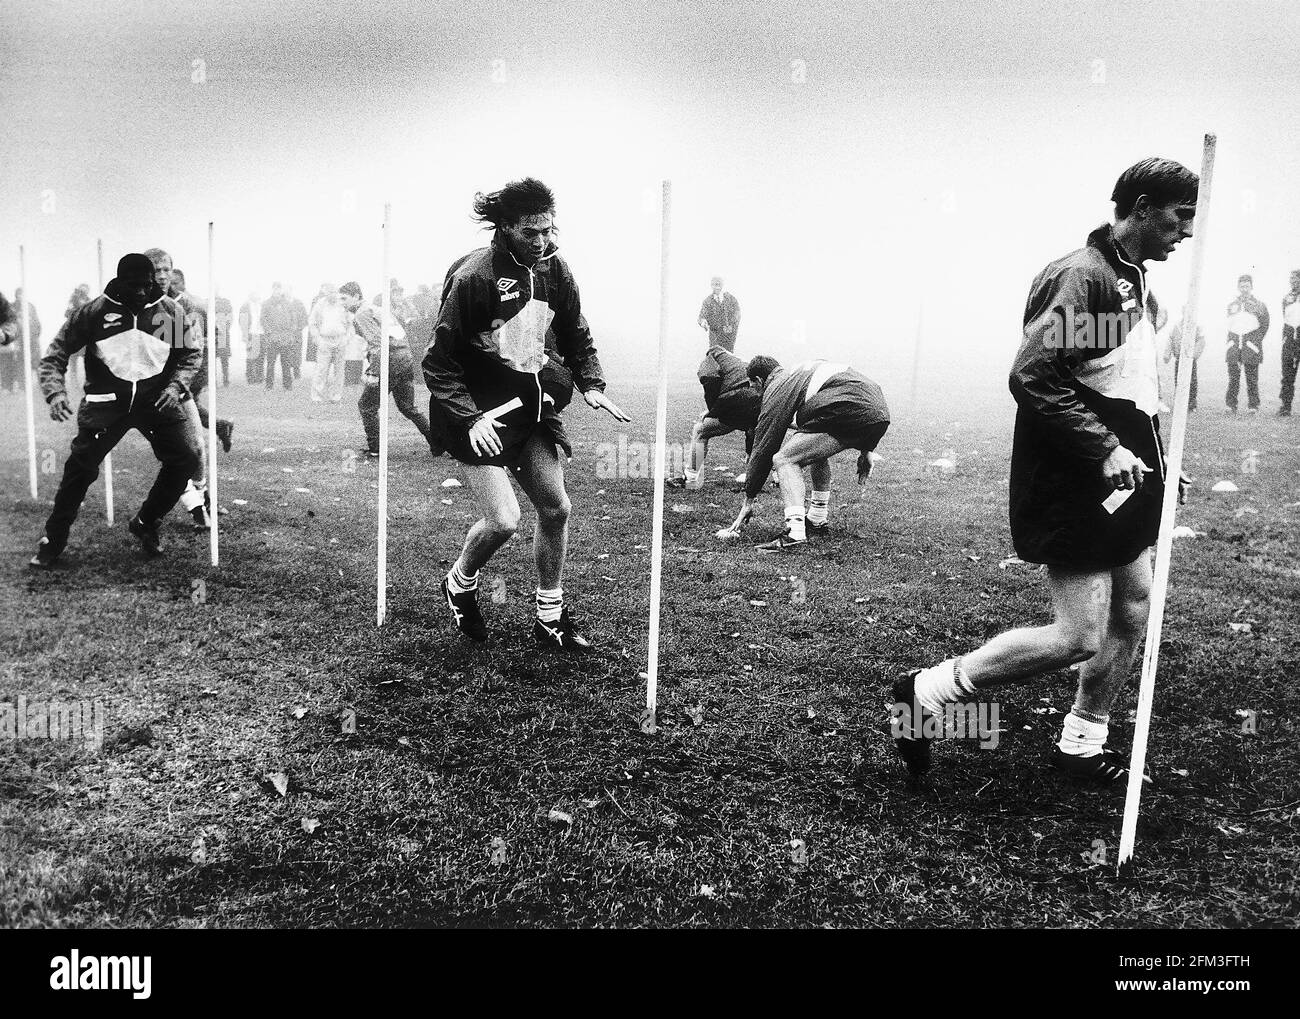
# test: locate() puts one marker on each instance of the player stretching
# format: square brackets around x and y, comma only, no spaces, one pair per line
[489,408]
[731,405]
[1086,438]
[831,408]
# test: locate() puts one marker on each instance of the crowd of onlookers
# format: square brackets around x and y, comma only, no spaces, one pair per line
[279,334]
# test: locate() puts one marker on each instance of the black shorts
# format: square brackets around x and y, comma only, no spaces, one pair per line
[519,428]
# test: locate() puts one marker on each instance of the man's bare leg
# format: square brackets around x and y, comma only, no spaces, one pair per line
[541,476]
[701,432]
[800,450]
[496,500]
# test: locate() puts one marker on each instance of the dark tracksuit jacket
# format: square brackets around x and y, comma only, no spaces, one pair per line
[816,396]
[1290,345]
[728,396]
[489,351]
[1085,382]
[131,356]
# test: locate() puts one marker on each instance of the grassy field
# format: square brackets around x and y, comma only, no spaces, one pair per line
[498,786]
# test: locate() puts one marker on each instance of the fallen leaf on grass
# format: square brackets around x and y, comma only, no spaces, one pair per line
[280,780]
[706,891]
[559,817]
[451,483]
[299,711]
[681,507]
[445,502]
[305,491]
[696,714]
[758,603]
[310,824]
[240,502]
[1241,627]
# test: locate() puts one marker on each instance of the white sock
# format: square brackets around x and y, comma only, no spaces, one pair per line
[794,522]
[192,497]
[690,474]
[945,683]
[1082,737]
[550,604]
[459,582]
[819,508]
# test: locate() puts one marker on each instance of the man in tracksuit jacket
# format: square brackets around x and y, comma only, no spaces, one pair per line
[401,369]
[1247,326]
[1290,342]
[490,405]
[831,408]
[141,356]
[1087,477]
[730,405]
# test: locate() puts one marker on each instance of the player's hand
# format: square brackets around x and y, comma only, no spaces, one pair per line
[483,438]
[168,399]
[597,400]
[369,380]
[1124,470]
[865,473]
[60,408]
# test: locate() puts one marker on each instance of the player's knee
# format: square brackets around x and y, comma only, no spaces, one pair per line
[779,460]
[556,513]
[1079,640]
[503,523]
[1129,617]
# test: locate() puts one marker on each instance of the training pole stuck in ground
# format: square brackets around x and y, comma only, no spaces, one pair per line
[648,719]
[1168,511]
[29,388]
[211,341]
[385,309]
[108,458]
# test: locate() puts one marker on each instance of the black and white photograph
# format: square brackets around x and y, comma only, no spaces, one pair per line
[598,465]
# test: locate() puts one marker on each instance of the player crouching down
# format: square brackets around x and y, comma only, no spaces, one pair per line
[831,408]
[494,400]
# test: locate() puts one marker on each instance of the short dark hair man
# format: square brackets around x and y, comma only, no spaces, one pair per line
[730,405]
[141,356]
[831,407]
[1087,476]
[491,407]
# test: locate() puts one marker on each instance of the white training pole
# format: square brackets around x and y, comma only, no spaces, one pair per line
[1168,509]
[108,459]
[28,386]
[385,309]
[211,341]
[649,724]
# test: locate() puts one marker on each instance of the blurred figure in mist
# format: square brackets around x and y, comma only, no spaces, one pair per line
[720,317]
[1290,342]
[250,327]
[11,355]
[329,329]
[80,296]
[282,341]
[1247,326]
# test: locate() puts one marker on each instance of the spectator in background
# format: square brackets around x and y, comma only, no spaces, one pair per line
[1290,342]
[250,327]
[1247,326]
[80,296]
[326,289]
[424,316]
[11,355]
[225,316]
[299,311]
[1173,345]
[720,316]
[282,342]
[329,328]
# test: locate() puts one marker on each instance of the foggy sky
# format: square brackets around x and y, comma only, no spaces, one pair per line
[842,165]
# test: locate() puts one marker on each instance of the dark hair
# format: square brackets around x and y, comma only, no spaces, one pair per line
[762,366]
[519,198]
[1161,180]
[352,288]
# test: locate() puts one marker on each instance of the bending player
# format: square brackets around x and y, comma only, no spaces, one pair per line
[831,408]
[491,407]
[1087,477]
[731,405]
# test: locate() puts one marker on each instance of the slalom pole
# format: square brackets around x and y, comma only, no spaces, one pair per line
[108,459]
[211,341]
[25,327]
[1168,509]
[648,719]
[385,309]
